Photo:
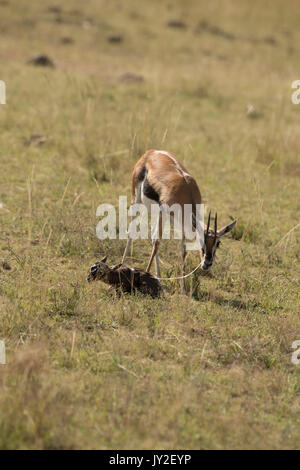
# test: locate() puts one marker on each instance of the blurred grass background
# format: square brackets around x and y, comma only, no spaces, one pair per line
[212,84]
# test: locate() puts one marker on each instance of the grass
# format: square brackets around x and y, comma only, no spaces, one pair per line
[85,369]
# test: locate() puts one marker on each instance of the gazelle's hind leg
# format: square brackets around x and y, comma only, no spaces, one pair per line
[153,254]
[156,237]
[127,249]
[183,255]
[129,239]
[157,265]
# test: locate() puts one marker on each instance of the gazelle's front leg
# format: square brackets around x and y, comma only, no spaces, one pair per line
[127,249]
[157,265]
[156,237]
[183,255]
[153,254]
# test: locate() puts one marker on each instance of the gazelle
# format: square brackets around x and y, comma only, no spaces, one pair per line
[159,178]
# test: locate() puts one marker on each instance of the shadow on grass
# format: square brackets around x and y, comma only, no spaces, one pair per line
[205,296]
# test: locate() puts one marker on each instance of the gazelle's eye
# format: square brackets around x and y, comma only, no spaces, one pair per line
[218,243]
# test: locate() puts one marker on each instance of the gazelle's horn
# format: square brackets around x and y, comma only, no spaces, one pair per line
[208,223]
[216,224]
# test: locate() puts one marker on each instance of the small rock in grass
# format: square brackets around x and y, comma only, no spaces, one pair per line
[252,113]
[67,40]
[131,77]
[176,24]
[270,40]
[6,266]
[115,38]
[35,139]
[54,9]
[41,60]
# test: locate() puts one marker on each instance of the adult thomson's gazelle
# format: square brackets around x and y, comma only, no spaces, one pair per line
[158,178]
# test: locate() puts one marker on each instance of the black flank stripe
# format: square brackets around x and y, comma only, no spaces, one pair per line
[149,191]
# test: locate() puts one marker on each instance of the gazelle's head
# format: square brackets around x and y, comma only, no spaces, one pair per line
[99,270]
[212,242]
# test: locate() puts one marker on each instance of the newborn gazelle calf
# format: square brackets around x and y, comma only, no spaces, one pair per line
[125,279]
[158,178]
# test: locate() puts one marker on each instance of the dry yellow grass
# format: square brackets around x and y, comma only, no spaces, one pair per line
[87,370]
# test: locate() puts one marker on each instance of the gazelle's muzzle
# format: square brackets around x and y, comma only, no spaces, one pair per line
[205,266]
[207,261]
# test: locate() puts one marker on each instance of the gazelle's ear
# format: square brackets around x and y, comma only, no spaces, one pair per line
[226,229]
[103,260]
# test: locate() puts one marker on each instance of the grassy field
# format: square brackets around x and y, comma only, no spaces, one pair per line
[209,370]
